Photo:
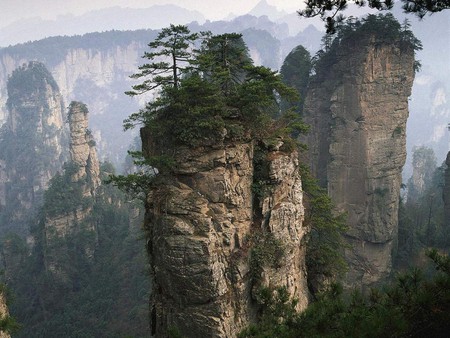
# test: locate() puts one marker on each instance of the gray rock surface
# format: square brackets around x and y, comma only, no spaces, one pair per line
[358,114]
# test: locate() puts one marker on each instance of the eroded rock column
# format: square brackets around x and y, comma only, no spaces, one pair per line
[358,114]
[202,224]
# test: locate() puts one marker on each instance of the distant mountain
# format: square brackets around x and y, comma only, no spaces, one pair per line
[263,8]
[116,18]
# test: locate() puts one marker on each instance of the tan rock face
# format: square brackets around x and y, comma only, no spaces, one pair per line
[200,226]
[358,116]
[82,148]
[283,216]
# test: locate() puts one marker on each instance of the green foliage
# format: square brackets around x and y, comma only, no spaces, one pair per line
[277,315]
[138,183]
[174,44]
[218,96]
[28,79]
[325,242]
[412,307]
[99,275]
[64,195]
[421,214]
[224,89]
[384,28]
[295,72]
[222,59]
[266,251]
[8,324]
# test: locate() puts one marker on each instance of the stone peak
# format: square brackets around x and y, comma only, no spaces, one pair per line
[82,147]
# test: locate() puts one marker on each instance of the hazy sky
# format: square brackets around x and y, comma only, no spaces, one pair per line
[12,10]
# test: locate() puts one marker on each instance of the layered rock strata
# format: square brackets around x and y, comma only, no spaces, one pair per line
[357,109]
[202,224]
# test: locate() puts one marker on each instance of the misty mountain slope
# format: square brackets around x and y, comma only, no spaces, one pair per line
[117,18]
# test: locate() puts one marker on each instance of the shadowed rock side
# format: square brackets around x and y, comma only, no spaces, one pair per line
[358,114]
[447,193]
[31,143]
[201,226]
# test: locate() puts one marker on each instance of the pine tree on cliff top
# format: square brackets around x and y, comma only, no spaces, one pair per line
[205,88]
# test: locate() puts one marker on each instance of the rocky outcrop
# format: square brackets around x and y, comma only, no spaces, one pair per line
[203,226]
[32,142]
[357,107]
[81,179]
[82,148]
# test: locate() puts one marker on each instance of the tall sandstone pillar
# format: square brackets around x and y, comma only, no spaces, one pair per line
[202,224]
[31,144]
[357,108]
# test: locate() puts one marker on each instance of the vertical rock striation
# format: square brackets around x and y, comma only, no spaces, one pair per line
[357,108]
[31,142]
[282,217]
[82,148]
[201,226]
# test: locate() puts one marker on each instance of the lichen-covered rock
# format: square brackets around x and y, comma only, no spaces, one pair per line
[358,114]
[201,224]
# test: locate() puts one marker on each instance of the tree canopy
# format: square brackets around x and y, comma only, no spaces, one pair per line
[217,93]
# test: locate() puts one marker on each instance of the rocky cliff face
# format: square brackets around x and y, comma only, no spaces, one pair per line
[202,227]
[82,148]
[357,108]
[32,140]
